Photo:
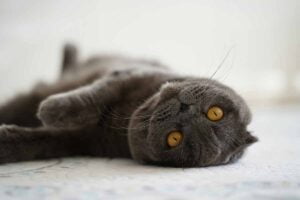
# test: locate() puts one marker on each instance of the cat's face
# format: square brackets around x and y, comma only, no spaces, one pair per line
[193,123]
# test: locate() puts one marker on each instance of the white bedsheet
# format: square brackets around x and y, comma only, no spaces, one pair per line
[270,170]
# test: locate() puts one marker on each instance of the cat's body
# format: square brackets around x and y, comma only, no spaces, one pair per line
[108,106]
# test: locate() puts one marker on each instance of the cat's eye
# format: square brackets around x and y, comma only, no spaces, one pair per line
[215,113]
[174,138]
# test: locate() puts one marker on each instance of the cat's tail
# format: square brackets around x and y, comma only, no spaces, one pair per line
[70,55]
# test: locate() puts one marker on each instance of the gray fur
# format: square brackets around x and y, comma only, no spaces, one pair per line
[115,106]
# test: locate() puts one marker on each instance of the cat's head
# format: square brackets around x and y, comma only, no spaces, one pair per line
[191,123]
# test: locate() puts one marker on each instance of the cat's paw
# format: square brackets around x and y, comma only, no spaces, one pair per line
[54,112]
[61,112]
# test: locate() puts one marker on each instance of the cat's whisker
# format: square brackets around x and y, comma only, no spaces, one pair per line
[115,115]
[225,76]
[222,62]
[145,125]
[127,128]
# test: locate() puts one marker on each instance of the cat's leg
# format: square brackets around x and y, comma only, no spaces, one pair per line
[21,110]
[20,143]
[82,106]
[69,58]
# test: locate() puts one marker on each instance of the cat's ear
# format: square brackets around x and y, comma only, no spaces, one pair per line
[246,142]
[250,139]
[169,89]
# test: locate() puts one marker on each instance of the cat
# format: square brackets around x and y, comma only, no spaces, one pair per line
[116,106]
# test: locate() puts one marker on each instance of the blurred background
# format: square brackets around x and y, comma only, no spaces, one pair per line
[258,40]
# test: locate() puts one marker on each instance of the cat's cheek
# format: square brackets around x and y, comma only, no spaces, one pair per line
[137,134]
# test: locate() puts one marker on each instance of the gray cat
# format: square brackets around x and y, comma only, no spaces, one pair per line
[113,106]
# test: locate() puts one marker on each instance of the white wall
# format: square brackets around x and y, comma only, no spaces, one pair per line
[192,36]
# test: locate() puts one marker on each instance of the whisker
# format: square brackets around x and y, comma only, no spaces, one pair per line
[225,76]
[222,62]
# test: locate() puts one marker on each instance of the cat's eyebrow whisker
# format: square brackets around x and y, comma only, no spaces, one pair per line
[222,62]
[229,69]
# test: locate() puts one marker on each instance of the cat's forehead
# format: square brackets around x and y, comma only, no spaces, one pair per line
[194,90]
[191,82]
[202,87]
[204,83]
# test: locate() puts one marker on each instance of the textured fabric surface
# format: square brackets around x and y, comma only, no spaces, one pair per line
[270,170]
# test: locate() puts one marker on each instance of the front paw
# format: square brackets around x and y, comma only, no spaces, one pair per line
[57,112]
[52,111]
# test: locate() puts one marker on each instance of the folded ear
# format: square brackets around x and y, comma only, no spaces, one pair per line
[250,139]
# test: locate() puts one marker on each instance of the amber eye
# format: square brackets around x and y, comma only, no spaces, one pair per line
[174,138]
[215,113]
